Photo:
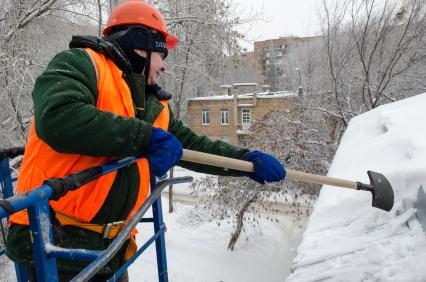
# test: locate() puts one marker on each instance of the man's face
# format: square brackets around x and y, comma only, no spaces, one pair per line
[157,65]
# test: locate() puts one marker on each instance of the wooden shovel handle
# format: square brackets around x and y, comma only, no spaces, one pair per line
[219,161]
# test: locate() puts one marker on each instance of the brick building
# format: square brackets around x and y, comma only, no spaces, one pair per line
[228,117]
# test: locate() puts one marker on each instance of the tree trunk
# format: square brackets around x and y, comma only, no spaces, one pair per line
[99,18]
[240,220]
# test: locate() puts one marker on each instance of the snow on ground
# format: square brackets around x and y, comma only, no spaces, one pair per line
[347,239]
[7,270]
[197,249]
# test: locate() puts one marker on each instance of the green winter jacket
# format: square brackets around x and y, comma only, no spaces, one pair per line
[66,118]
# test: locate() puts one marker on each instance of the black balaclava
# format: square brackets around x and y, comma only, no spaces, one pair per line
[132,37]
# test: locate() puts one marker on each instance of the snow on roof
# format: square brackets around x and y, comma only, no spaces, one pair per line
[242,84]
[346,238]
[261,95]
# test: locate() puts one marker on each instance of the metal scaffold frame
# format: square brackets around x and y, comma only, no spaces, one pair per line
[45,253]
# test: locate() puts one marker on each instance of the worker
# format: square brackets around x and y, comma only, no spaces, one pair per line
[100,101]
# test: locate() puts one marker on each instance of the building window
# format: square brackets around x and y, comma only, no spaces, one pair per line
[246,116]
[205,120]
[224,117]
[267,55]
[225,138]
[267,62]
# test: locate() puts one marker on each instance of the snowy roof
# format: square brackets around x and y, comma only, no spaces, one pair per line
[245,84]
[346,238]
[261,95]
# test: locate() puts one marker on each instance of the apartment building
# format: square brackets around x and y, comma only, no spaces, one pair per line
[273,57]
[228,117]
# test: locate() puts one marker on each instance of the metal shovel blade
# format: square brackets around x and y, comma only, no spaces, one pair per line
[383,197]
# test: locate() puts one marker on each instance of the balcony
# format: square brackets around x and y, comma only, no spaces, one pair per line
[243,129]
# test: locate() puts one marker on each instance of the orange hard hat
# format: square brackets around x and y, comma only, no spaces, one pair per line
[138,12]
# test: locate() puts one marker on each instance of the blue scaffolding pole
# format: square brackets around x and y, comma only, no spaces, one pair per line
[45,252]
[160,243]
[6,185]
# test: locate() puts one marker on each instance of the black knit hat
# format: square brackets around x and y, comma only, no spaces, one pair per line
[139,37]
[132,37]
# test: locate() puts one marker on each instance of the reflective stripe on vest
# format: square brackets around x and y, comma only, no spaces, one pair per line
[42,162]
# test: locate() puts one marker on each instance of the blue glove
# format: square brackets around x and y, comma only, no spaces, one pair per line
[163,152]
[266,167]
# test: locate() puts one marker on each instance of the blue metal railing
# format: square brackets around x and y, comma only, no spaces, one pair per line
[5,185]
[45,252]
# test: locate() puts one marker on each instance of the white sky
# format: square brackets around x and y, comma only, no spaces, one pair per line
[281,18]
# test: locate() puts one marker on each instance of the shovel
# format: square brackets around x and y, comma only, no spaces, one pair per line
[380,188]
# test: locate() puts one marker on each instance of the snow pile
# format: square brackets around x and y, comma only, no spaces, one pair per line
[347,239]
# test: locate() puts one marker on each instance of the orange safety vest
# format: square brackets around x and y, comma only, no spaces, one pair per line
[42,162]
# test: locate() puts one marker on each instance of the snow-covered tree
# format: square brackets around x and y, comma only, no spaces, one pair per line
[32,32]
[369,48]
[300,138]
